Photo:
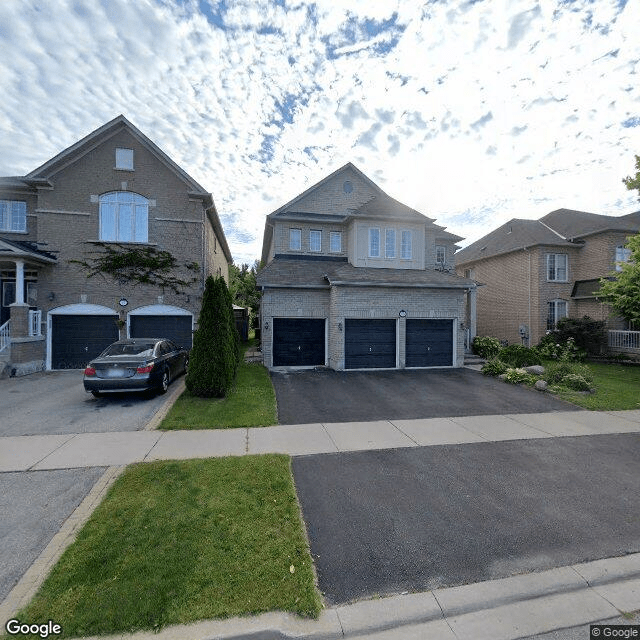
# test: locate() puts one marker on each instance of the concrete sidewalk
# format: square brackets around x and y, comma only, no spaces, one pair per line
[37,453]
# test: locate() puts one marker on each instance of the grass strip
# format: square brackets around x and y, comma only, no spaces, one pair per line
[250,403]
[176,542]
[617,389]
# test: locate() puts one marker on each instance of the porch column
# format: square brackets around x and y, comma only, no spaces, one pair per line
[472,313]
[19,281]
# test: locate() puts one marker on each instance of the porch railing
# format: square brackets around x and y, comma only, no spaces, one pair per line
[624,339]
[5,339]
[35,320]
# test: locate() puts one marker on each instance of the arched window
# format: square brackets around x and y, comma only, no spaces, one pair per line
[124,217]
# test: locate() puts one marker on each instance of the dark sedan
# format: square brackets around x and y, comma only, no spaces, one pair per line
[137,364]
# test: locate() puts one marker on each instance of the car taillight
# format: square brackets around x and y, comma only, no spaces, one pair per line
[146,369]
[89,371]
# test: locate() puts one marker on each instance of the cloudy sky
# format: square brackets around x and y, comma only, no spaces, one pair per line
[471,111]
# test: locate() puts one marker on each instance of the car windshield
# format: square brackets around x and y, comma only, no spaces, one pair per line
[142,349]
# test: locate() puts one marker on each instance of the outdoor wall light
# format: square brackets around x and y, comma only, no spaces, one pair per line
[403,314]
[339,326]
[51,297]
[266,326]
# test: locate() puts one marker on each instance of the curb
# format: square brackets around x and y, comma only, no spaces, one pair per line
[164,409]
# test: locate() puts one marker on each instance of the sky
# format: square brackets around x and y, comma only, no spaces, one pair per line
[472,111]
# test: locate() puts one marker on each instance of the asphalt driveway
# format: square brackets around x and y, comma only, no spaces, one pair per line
[357,396]
[384,522]
[55,402]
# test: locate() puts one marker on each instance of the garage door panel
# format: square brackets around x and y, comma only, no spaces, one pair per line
[298,342]
[429,343]
[175,328]
[370,344]
[75,340]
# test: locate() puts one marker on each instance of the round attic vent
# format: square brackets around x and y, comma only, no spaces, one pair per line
[347,186]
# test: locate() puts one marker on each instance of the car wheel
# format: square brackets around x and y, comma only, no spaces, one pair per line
[96,394]
[164,383]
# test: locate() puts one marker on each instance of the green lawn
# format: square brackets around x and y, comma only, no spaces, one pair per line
[251,403]
[175,542]
[617,388]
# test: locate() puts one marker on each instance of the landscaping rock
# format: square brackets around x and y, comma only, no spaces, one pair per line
[536,369]
[541,385]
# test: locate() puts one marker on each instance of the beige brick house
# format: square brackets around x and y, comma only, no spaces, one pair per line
[533,272]
[113,186]
[357,280]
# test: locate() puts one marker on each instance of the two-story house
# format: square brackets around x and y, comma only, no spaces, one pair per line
[533,272]
[114,186]
[354,279]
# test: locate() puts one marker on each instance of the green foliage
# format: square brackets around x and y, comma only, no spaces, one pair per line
[486,347]
[588,335]
[575,382]
[494,367]
[519,376]
[214,357]
[622,292]
[242,285]
[551,348]
[556,372]
[517,355]
[137,265]
[633,182]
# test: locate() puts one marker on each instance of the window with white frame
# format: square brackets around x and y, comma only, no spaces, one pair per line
[556,309]
[124,159]
[295,239]
[622,255]
[13,215]
[389,243]
[335,241]
[557,267]
[441,254]
[405,245]
[315,240]
[374,242]
[124,217]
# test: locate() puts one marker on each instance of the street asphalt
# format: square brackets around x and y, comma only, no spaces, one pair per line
[413,519]
[352,396]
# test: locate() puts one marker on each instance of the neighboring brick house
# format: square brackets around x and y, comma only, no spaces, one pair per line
[353,279]
[531,273]
[115,185]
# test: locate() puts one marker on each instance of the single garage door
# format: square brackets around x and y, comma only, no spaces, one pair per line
[77,339]
[429,343]
[298,342]
[370,344]
[176,328]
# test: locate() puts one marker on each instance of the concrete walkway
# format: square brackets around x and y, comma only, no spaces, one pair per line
[67,451]
[511,608]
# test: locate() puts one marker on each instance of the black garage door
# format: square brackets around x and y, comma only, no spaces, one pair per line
[370,344]
[176,328]
[429,343]
[298,342]
[77,339]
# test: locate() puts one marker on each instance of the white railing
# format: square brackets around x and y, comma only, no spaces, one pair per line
[624,339]
[35,320]
[5,339]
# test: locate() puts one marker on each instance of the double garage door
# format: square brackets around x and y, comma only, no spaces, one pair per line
[77,339]
[368,344]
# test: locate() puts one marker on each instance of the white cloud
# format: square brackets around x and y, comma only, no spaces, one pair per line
[470,112]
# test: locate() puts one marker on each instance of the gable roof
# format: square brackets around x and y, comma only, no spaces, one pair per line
[100,135]
[562,227]
[25,249]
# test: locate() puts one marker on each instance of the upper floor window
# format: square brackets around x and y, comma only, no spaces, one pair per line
[622,255]
[441,254]
[295,239]
[335,241]
[390,243]
[557,267]
[124,159]
[556,309]
[13,215]
[405,245]
[124,217]
[374,242]
[315,240]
